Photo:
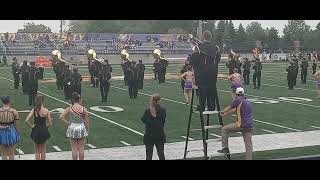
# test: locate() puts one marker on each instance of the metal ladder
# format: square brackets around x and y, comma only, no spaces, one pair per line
[204,128]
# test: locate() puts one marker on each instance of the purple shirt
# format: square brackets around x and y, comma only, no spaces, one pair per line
[244,112]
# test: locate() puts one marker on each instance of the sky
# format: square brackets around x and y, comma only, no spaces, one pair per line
[14,25]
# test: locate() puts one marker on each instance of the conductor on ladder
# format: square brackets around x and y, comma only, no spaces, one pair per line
[243,109]
[205,61]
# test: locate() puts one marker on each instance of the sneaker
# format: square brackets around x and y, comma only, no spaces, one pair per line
[224,151]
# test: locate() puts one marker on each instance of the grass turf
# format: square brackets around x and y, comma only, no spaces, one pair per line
[298,115]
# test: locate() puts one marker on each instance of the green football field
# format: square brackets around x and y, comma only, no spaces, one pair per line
[276,110]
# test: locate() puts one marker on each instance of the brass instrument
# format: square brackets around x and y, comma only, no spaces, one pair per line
[125,55]
[56,56]
[92,55]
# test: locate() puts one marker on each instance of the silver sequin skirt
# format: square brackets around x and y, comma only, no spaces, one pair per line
[76,131]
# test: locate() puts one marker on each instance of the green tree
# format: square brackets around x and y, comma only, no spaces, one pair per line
[34,28]
[295,30]
[255,32]
[272,37]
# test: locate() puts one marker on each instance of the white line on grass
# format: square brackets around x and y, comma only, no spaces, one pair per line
[19,151]
[93,114]
[268,131]
[125,143]
[316,127]
[91,146]
[215,135]
[261,97]
[56,148]
[190,139]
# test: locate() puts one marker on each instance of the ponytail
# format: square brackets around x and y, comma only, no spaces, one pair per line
[154,101]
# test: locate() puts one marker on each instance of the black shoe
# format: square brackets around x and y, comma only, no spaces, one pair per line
[131,97]
[224,151]
[254,87]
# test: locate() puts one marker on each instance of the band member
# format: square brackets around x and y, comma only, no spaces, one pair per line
[60,74]
[105,77]
[24,76]
[246,71]
[314,67]
[15,72]
[182,71]
[243,108]
[5,60]
[205,62]
[188,78]
[317,81]
[296,65]
[90,71]
[9,129]
[125,65]
[40,134]
[67,83]
[304,71]
[232,64]
[156,69]
[95,68]
[257,73]
[154,119]
[163,70]
[141,69]
[33,75]
[41,69]
[76,80]
[78,126]
[291,75]
[133,81]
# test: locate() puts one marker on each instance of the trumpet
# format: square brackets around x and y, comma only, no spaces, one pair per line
[92,55]
[56,55]
[125,55]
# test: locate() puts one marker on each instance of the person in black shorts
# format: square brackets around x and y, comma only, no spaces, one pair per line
[40,133]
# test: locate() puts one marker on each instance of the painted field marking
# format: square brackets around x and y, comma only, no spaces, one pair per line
[91,146]
[93,114]
[316,127]
[190,139]
[268,131]
[125,143]
[310,105]
[215,135]
[19,151]
[56,148]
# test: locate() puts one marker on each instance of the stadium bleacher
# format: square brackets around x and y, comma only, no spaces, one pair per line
[77,43]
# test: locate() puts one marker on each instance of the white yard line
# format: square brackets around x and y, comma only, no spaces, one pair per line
[125,143]
[91,146]
[316,127]
[268,131]
[19,151]
[56,148]
[190,139]
[93,114]
[215,135]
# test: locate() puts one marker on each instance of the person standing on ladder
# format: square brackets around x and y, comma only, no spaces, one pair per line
[205,61]
[242,107]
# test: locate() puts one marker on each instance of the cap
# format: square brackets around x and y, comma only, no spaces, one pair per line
[240,91]
[5,99]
